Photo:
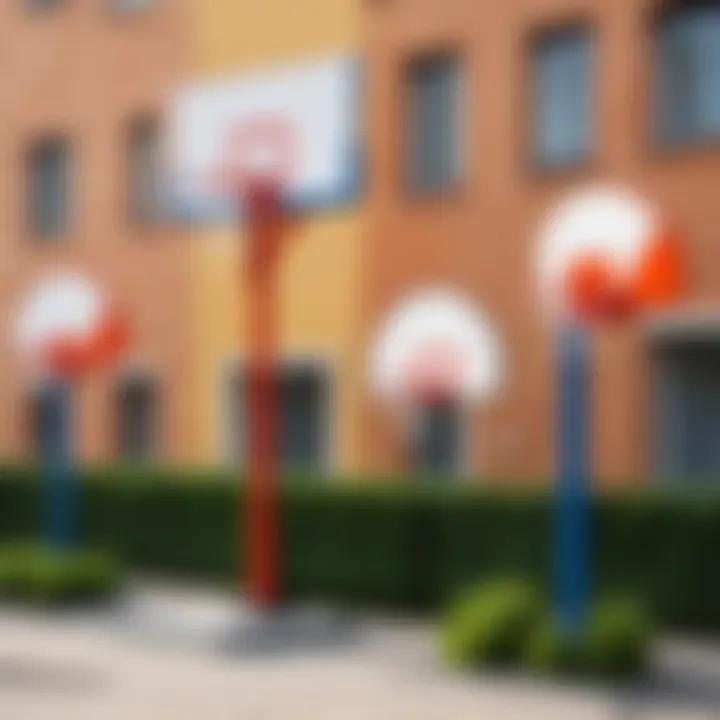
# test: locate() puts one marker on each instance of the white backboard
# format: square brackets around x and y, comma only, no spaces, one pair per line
[437,317]
[604,221]
[317,99]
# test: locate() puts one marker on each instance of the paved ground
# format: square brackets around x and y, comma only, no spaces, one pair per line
[160,658]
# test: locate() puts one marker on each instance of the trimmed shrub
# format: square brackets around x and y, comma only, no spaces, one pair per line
[39,575]
[615,644]
[549,652]
[618,638]
[489,625]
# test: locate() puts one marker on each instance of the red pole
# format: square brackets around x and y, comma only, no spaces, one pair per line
[264,230]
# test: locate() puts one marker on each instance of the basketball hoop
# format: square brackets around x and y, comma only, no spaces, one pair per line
[435,345]
[259,165]
[67,327]
[606,254]
[303,114]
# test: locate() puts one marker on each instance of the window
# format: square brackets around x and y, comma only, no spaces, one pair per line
[130,6]
[687,69]
[432,127]
[303,398]
[143,181]
[33,426]
[561,97]
[137,419]
[686,409]
[303,423]
[49,188]
[48,422]
[436,442]
[42,5]
[233,394]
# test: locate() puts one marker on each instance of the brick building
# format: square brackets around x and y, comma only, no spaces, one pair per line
[481,115]
[84,86]
[478,117]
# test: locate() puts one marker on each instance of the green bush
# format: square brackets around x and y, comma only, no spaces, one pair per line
[36,574]
[489,625]
[549,652]
[387,543]
[504,624]
[618,638]
[615,643]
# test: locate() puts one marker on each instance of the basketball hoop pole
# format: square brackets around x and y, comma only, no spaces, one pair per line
[58,472]
[261,202]
[572,504]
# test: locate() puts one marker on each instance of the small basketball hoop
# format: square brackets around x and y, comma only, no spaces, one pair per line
[435,344]
[433,377]
[66,326]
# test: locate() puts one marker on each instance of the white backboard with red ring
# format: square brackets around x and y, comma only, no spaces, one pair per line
[316,100]
[606,251]
[67,325]
[436,343]
[261,149]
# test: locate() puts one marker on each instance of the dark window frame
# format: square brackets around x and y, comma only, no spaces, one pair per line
[661,16]
[234,392]
[131,8]
[137,216]
[36,409]
[434,435]
[150,451]
[45,230]
[676,441]
[414,60]
[42,7]
[571,27]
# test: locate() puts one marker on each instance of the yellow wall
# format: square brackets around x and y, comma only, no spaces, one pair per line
[320,288]
[319,307]
[231,34]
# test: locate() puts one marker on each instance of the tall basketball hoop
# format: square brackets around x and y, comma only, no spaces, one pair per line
[66,328]
[604,256]
[258,165]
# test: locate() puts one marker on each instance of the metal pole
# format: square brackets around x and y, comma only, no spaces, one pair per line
[55,451]
[572,577]
[264,230]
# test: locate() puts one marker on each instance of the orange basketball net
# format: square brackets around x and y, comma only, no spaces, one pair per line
[72,356]
[595,292]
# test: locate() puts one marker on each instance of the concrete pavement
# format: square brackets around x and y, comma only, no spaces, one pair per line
[112,666]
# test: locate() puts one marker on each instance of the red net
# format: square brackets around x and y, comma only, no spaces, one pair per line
[596,292]
[261,155]
[73,356]
[433,374]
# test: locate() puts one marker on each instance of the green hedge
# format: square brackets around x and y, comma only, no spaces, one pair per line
[38,575]
[392,544]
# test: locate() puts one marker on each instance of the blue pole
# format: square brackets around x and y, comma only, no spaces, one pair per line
[572,577]
[55,450]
